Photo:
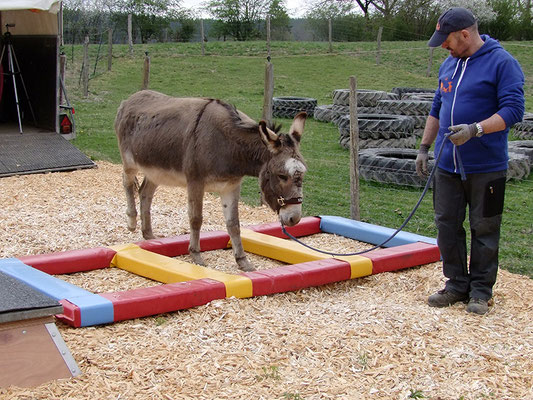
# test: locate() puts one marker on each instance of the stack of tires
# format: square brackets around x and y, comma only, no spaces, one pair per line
[288,107]
[418,110]
[367,101]
[376,127]
[388,126]
[398,165]
[379,130]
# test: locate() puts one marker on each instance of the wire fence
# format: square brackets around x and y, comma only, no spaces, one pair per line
[328,180]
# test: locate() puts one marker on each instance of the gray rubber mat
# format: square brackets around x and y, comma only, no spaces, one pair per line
[34,152]
[20,301]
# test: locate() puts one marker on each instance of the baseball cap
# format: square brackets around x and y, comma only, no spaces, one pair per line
[452,20]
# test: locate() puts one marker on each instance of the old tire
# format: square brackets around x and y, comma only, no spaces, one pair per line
[405,107]
[402,143]
[402,90]
[519,166]
[380,126]
[365,97]
[333,113]
[288,107]
[418,96]
[522,147]
[524,128]
[392,165]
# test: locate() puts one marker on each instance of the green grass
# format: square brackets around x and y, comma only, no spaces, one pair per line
[234,72]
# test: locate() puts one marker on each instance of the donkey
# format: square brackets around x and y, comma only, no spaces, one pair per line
[205,144]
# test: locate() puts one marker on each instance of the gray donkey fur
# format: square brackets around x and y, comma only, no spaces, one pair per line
[206,145]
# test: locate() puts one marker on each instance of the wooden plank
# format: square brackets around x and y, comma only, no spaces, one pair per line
[29,355]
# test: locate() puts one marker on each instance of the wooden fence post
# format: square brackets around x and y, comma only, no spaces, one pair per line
[85,67]
[146,73]
[430,62]
[354,151]
[130,34]
[269,80]
[109,49]
[269,92]
[268,36]
[330,36]
[203,36]
[378,53]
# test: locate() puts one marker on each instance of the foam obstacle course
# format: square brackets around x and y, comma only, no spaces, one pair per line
[185,285]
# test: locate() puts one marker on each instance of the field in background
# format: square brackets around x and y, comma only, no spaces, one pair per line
[234,72]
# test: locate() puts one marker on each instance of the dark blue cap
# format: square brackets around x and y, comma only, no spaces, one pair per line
[452,20]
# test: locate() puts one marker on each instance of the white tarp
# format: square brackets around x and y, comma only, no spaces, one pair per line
[45,5]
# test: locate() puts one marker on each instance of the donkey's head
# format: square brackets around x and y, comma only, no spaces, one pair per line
[282,176]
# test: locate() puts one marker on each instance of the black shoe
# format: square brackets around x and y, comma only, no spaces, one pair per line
[477,306]
[445,298]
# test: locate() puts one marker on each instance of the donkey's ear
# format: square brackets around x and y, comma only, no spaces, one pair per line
[297,127]
[269,137]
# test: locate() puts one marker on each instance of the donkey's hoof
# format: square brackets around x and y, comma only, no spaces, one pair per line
[245,265]
[198,259]
[148,235]
[132,223]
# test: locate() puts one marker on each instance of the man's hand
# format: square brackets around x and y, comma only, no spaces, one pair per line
[422,161]
[463,133]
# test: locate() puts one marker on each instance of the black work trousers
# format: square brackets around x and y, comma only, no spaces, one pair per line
[484,196]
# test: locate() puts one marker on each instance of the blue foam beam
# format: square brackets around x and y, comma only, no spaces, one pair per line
[94,309]
[369,233]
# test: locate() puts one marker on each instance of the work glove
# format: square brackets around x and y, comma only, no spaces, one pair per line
[422,161]
[463,133]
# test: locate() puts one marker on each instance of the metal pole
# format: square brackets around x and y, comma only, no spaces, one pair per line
[11,68]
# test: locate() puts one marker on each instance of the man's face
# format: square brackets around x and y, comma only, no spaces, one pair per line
[457,44]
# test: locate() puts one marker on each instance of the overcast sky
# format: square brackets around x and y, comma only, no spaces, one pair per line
[295,8]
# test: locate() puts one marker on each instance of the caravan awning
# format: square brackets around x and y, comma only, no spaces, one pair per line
[45,5]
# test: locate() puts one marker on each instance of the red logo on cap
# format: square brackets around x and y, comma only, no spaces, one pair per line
[438,26]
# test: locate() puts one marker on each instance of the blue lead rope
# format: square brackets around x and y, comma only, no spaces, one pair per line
[426,187]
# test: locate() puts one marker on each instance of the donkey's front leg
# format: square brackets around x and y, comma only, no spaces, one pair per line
[195,199]
[230,207]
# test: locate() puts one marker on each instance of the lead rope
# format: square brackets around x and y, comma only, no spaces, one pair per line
[426,187]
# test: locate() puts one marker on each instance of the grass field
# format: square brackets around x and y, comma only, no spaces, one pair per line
[234,72]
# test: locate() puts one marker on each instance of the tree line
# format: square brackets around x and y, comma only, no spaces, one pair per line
[349,20]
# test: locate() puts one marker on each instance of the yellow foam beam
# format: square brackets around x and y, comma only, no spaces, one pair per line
[165,269]
[279,249]
[360,266]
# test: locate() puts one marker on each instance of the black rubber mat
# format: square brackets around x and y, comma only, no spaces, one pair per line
[34,152]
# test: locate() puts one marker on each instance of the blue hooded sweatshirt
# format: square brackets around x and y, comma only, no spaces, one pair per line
[471,90]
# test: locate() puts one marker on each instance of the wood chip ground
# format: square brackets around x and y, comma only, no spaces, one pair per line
[368,338]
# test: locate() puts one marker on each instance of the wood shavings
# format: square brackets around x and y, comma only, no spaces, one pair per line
[368,338]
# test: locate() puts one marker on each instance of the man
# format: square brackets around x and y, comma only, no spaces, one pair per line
[480,96]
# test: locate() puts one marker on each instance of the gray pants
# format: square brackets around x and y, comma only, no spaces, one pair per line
[484,196]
